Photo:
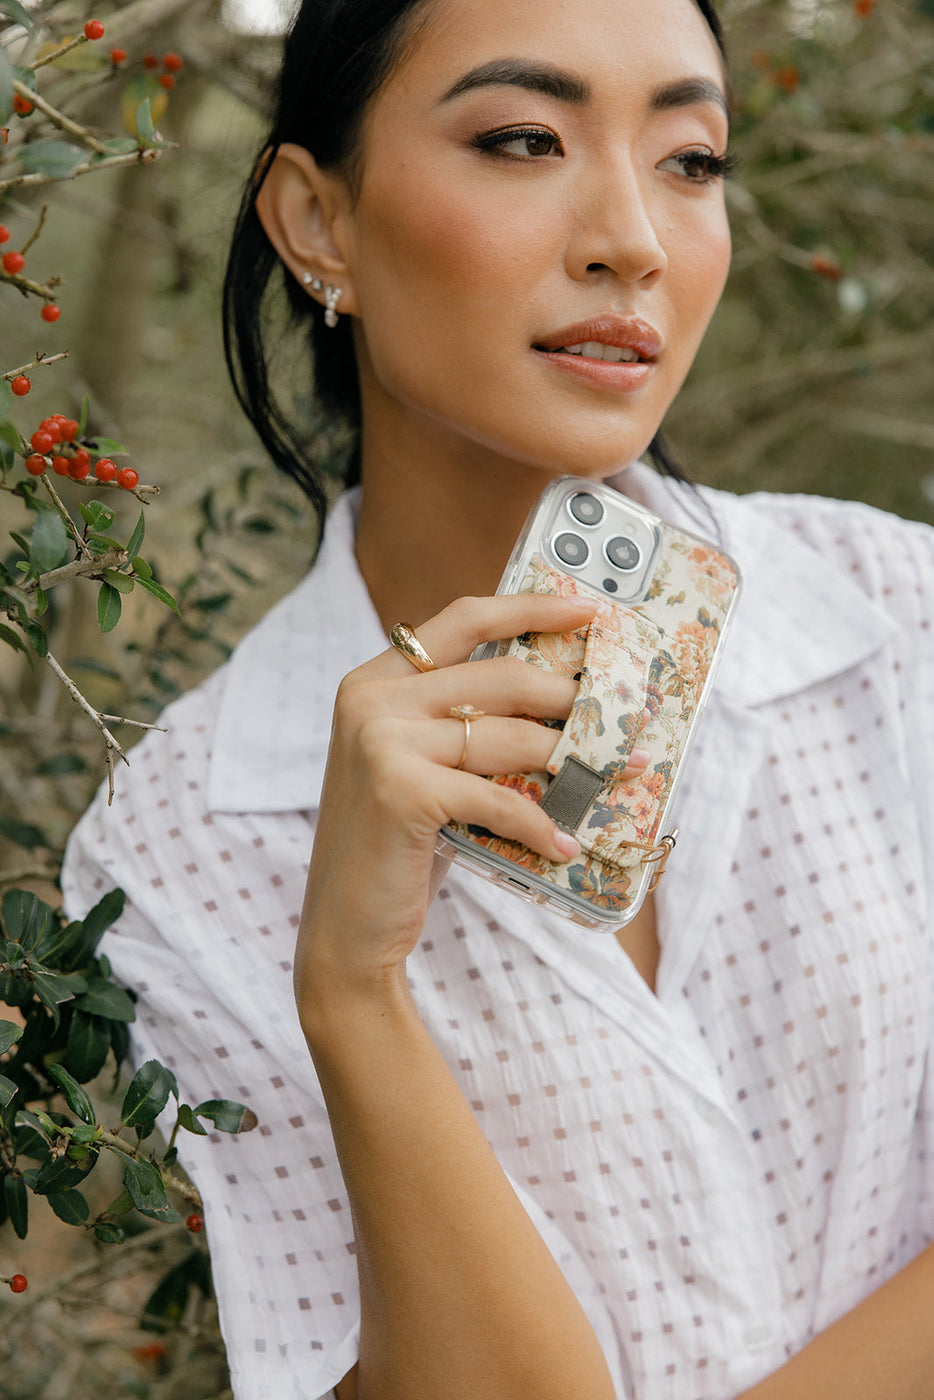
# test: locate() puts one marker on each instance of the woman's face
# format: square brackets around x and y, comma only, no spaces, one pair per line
[538,238]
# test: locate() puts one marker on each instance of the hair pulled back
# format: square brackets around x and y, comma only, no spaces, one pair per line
[337,55]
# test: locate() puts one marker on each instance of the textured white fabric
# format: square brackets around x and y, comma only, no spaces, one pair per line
[721,1169]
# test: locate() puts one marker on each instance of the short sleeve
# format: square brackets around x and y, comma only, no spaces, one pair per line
[215,1006]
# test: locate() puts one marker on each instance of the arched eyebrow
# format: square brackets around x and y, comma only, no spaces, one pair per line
[568,87]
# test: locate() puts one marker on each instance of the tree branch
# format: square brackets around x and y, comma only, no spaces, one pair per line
[144,156]
[57,118]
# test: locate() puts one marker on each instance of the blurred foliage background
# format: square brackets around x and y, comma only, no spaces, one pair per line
[816,377]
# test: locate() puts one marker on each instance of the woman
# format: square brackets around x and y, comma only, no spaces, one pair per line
[522,1159]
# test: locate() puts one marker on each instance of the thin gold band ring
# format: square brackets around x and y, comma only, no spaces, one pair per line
[466,713]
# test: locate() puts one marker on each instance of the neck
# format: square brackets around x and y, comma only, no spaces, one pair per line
[438,521]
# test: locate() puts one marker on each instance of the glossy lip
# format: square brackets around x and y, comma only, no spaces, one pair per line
[626,332]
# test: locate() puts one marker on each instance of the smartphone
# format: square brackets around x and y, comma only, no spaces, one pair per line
[644,668]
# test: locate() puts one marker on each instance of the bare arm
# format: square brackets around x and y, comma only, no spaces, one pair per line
[460,1296]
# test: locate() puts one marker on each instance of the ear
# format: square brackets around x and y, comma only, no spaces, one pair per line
[302,209]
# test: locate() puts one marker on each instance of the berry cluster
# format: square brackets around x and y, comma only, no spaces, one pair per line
[171,63]
[54,444]
[13,264]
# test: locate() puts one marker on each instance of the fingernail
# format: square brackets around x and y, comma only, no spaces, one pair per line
[569,848]
[639,758]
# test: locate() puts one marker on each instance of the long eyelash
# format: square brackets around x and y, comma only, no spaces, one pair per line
[718,167]
[490,140]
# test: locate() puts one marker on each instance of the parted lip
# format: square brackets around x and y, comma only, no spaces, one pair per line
[625,332]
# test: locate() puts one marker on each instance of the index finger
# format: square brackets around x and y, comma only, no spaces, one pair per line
[453,634]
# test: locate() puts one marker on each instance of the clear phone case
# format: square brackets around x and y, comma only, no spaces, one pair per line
[645,667]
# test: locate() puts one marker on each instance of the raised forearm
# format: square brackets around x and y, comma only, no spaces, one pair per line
[882,1350]
[460,1296]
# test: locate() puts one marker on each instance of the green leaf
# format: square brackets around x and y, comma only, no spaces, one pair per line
[42,602]
[187,1119]
[135,542]
[7,1090]
[217,602]
[144,123]
[109,1234]
[69,1206]
[159,592]
[76,1097]
[109,607]
[25,917]
[109,448]
[52,991]
[167,1303]
[143,1181]
[84,415]
[17,1204]
[6,85]
[94,925]
[96,515]
[123,583]
[104,999]
[88,1044]
[227,1117]
[38,636]
[22,833]
[10,1033]
[121,145]
[9,433]
[49,547]
[29,1142]
[147,1095]
[16,13]
[57,159]
[60,765]
[60,1174]
[13,639]
[140,568]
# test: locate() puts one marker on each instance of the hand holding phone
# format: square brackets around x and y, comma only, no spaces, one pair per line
[644,668]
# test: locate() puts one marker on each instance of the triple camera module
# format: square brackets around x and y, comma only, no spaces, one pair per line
[625,544]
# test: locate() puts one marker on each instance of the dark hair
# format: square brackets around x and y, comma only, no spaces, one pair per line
[337,54]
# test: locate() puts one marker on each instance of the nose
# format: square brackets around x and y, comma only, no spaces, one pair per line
[616,230]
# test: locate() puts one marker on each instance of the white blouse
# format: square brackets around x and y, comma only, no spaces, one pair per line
[721,1169]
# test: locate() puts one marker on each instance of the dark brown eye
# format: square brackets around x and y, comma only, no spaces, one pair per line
[528,143]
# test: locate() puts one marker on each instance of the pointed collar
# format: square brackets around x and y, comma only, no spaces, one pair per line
[800,620]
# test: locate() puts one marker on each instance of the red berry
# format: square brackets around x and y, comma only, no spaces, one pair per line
[78,468]
[118,56]
[53,427]
[788,78]
[864,8]
[167,81]
[13,263]
[150,61]
[4,135]
[69,430]
[127,478]
[173,63]
[195,1223]
[61,466]
[22,105]
[94,29]
[106,470]
[20,386]
[4,234]
[36,464]
[83,456]
[41,442]
[826,267]
[51,312]
[18,1283]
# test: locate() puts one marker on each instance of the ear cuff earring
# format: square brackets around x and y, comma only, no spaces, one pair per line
[332,297]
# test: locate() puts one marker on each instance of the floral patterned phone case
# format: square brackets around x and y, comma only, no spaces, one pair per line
[645,667]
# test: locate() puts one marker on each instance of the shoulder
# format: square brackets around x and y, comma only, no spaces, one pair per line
[888,559]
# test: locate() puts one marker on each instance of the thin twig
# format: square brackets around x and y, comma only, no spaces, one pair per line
[91,567]
[40,225]
[135,723]
[173,1183]
[57,118]
[144,156]
[58,53]
[111,744]
[66,516]
[34,364]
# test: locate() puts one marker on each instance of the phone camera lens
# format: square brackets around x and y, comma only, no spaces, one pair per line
[586,508]
[572,550]
[623,554]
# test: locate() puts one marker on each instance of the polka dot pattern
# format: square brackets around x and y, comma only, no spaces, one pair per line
[721,1169]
